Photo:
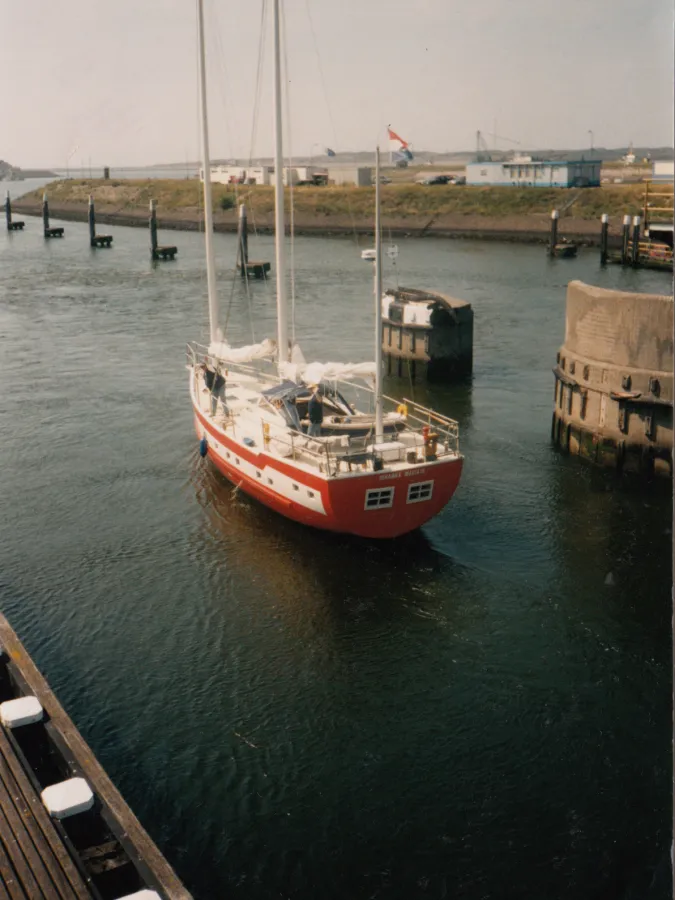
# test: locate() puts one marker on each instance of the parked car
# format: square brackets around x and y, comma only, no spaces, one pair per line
[384,179]
[435,179]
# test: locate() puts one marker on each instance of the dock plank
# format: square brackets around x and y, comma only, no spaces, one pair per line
[8,877]
[12,844]
[56,861]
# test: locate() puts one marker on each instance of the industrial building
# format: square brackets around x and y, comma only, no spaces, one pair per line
[527,172]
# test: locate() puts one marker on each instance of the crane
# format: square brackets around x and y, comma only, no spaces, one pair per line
[482,149]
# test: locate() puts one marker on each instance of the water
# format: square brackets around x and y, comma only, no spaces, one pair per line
[471,712]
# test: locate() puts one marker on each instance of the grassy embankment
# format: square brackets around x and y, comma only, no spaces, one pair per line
[398,201]
[407,208]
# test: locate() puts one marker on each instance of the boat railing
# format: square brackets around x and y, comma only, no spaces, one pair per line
[425,422]
[418,418]
[197,354]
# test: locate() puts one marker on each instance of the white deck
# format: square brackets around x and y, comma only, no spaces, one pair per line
[254,424]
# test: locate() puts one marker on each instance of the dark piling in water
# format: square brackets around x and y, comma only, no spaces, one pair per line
[604,239]
[11,226]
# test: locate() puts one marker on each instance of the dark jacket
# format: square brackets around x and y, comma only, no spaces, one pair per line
[218,383]
[315,410]
[209,375]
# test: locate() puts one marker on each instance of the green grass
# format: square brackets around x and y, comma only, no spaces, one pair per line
[399,201]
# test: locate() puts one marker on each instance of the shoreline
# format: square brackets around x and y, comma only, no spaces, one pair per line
[526,229]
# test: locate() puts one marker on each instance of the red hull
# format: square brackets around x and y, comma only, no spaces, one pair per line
[343,498]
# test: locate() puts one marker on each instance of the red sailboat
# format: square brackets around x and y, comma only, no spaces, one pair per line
[374,474]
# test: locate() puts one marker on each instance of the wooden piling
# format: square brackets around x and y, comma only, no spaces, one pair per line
[554,232]
[11,225]
[635,248]
[625,240]
[96,240]
[604,239]
[158,251]
[247,268]
[49,232]
[242,239]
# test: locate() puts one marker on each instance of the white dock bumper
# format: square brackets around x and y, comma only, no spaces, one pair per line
[68,798]
[22,711]
[142,895]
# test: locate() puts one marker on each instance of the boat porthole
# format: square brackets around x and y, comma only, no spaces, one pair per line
[269,481]
[310,493]
[258,474]
[295,487]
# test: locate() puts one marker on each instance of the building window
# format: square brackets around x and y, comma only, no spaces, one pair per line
[390,335]
[379,498]
[400,338]
[420,491]
[412,341]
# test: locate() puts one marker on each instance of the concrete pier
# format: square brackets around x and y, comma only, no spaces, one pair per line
[426,335]
[614,380]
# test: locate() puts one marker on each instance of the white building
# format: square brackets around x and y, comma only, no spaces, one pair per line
[361,176]
[663,170]
[238,174]
[301,175]
[527,172]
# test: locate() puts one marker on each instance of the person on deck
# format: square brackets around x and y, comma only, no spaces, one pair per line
[315,411]
[218,392]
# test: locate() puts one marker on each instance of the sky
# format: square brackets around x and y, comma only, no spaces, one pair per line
[87,82]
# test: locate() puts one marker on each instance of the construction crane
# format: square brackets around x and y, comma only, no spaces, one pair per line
[482,150]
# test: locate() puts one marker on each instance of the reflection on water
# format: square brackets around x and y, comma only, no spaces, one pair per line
[293,713]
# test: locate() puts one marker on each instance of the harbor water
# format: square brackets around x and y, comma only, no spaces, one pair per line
[480,710]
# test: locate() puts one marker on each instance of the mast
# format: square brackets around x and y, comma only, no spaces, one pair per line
[206,163]
[378,305]
[279,228]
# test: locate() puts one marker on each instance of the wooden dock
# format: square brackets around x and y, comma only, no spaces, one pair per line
[15,226]
[164,252]
[101,240]
[254,269]
[54,232]
[66,833]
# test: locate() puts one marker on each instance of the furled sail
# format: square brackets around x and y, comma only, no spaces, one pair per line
[221,350]
[314,372]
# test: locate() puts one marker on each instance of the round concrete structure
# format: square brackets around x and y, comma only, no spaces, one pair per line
[614,380]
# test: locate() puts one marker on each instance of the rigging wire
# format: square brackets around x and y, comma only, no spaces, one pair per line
[225,80]
[329,110]
[258,80]
[290,174]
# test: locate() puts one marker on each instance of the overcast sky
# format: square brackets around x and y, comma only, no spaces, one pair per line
[116,83]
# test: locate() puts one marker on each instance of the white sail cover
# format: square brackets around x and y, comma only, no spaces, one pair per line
[314,372]
[221,350]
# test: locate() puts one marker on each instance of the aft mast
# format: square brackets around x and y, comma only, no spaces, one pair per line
[206,163]
[279,227]
[379,431]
